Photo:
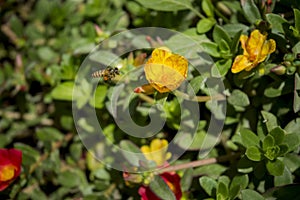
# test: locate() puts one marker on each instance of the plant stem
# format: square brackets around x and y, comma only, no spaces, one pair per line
[146,98]
[185,96]
[198,163]
[199,98]
[55,146]
[197,12]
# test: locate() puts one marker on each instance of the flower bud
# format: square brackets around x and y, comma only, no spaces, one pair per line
[287,63]
[279,70]
[296,63]
[288,57]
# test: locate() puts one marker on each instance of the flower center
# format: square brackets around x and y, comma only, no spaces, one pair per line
[7,172]
[171,186]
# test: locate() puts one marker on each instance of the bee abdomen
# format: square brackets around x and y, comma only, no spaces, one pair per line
[97,74]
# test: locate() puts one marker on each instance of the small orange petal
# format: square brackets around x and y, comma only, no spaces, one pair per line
[146,89]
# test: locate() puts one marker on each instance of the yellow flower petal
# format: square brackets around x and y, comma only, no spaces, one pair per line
[157,151]
[240,63]
[147,152]
[268,48]
[165,71]
[255,44]
[256,49]
[243,40]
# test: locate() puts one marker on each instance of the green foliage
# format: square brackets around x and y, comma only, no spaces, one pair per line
[161,189]
[43,45]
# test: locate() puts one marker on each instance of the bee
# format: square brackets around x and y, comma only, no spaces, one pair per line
[107,74]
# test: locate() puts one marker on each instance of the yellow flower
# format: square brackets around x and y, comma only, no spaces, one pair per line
[157,151]
[164,71]
[256,49]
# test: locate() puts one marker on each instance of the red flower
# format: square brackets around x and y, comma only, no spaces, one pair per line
[172,180]
[10,166]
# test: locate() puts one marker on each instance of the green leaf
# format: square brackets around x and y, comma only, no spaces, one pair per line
[76,151]
[186,179]
[297,19]
[272,152]
[131,152]
[245,165]
[166,5]
[211,48]
[100,95]
[69,179]
[208,184]
[234,192]
[48,134]
[208,8]
[276,22]
[292,161]
[292,140]
[285,192]
[221,68]
[105,57]
[293,126]
[101,174]
[196,84]
[222,190]
[275,167]
[278,134]
[253,153]
[213,170]
[47,54]
[268,141]
[224,48]
[235,42]
[238,98]
[285,179]
[249,138]
[205,25]
[16,25]
[183,43]
[296,103]
[219,34]
[275,89]
[251,11]
[270,120]
[240,180]
[233,29]
[224,179]
[251,194]
[161,189]
[63,91]
[29,154]
[238,183]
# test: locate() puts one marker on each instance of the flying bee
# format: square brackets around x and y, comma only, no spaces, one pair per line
[107,74]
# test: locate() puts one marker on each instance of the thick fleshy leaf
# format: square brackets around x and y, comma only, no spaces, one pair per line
[251,11]
[275,167]
[166,5]
[161,189]
[208,184]
[251,194]
[249,138]
[253,153]
[204,25]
